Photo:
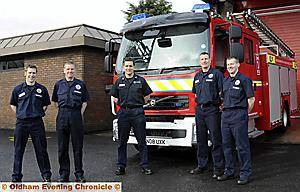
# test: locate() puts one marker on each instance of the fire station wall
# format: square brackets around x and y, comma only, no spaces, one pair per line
[99,116]
[8,80]
[50,69]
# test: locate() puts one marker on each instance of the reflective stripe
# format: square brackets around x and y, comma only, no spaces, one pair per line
[171,85]
[257,83]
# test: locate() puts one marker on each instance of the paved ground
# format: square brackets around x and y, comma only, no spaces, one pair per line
[276,165]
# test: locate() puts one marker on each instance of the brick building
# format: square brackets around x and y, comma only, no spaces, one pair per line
[49,50]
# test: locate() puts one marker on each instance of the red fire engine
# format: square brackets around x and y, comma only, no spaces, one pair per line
[166,50]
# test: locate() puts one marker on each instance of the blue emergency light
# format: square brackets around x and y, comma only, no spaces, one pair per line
[139,16]
[201,7]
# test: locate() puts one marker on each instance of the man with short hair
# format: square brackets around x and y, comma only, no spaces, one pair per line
[29,101]
[70,95]
[238,102]
[131,91]
[208,88]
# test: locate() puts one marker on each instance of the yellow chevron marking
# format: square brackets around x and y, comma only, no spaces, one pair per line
[171,85]
[189,82]
[175,84]
[161,85]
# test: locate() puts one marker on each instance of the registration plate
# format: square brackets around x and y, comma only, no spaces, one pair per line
[155,141]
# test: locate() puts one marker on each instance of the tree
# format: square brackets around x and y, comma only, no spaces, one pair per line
[151,7]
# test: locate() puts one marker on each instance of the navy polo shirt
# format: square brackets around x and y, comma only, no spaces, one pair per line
[237,90]
[30,100]
[70,94]
[130,92]
[208,86]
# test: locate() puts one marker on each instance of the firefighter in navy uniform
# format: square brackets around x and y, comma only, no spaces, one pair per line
[238,102]
[29,101]
[131,91]
[70,95]
[208,87]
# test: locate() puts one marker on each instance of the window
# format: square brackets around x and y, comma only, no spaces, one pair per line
[248,51]
[3,65]
[11,64]
[221,49]
[15,64]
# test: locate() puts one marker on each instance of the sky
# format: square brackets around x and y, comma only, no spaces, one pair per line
[19,17]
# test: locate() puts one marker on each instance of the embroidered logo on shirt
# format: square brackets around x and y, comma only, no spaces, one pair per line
[235,87]
[237,82]
[136,82]
[78,87]
[197,81]
[122,85]
[209,80]
[38,90]
[77,91]
[22,94]
[211,75]
[38,95]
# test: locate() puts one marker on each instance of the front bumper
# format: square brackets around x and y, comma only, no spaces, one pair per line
[181,132]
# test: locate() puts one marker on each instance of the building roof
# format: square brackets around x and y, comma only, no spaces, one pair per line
[57,38]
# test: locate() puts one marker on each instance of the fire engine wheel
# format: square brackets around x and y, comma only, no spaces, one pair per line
[285,118]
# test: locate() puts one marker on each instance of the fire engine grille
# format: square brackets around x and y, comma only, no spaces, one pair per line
[173,103]
[171,133]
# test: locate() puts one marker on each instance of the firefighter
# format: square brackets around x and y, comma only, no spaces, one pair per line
[238,102]
[130,92]
[29,101]
[70,95]
[208,87]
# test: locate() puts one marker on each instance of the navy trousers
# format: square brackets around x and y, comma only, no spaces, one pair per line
[35,128]
[208,118]
[235,133]
[134,118]
[69,123]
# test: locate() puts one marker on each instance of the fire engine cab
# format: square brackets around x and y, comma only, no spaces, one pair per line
[166,51]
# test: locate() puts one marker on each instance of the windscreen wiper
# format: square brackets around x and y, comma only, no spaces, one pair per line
[178,68]
[145,71]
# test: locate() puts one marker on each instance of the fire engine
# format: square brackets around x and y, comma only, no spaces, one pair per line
[166,51]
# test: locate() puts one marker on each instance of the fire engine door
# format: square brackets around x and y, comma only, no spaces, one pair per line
[221,48]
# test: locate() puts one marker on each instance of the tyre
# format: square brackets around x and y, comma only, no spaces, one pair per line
[286,122]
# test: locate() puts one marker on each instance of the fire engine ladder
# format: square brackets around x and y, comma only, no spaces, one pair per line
[268,38]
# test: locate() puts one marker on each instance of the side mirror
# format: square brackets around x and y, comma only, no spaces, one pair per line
[235,32]
[237,51]
[108,63]
[164,42]
[109,47]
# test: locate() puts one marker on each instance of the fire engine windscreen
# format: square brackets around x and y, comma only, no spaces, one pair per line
[178,48]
